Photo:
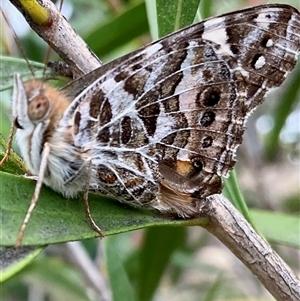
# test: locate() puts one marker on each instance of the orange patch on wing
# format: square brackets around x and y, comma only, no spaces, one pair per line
[184,167]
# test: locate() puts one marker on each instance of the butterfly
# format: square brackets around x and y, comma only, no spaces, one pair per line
[159,128]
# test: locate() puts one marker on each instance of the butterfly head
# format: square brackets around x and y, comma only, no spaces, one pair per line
[31,103]
[37,109]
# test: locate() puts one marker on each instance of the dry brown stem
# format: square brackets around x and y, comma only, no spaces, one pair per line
[62,38]
[231,228]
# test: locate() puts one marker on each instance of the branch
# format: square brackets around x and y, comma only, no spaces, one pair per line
[231,228]
[44,18]
[226,223]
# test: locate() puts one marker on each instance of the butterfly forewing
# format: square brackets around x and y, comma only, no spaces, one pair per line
[161,125]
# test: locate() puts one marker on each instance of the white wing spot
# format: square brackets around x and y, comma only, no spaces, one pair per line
[214,31]
[219,37]
[263,19]
[152,49]
[260,62]
[269,43]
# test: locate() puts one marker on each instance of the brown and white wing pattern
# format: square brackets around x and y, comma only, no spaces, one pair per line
[162,124]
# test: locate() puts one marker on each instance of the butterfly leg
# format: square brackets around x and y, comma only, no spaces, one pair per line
[81,173]
[86,204]
[61,69]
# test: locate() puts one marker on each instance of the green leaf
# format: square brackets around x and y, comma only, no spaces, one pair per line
[278,227]
[9,66]
[212,291]
[159,244]
[14,164]
[152,18]
[5,120]
[56,219]
[206,8]
[233,193]
[14,260]
[118,279]
[57,279]
[119,30]
[289,100]
[173,15]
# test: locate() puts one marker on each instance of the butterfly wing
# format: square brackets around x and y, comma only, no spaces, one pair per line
[163,124]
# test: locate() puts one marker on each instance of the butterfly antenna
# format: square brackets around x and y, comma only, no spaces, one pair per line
[47,57]
[60,5]
[12,129]
[46,60]
[17,41]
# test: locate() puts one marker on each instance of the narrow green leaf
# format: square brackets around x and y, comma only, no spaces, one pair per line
[289,100]
[5,120]
[119,30]
[14,164]
[56,219]
[152,18]
[118,279]
[159,244]
[233,193]
[9,66]
[212,291]
[14,260]
[206,8]
[278,227]
[172,15]
[57,279]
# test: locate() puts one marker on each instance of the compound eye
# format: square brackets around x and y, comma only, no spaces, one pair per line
[38,107]
[17,124]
